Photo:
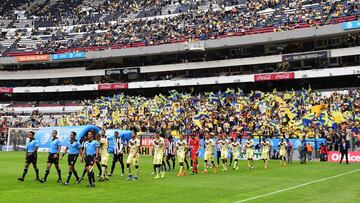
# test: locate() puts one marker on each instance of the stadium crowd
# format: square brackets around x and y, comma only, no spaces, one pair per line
[192,24]
[306,113]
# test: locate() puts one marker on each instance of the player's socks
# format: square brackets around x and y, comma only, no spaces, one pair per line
[69,176]
[76,175]
[59,175]
[46,175]
[89,178]
[24,173]
[187,164]
[37,174]
[157,171]
[83,174]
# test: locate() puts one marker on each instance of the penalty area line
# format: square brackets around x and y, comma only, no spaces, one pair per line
[297,186]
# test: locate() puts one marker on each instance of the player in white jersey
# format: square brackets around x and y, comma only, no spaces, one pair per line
[104,143]
[134,156]
[235,149]
[249,144]
[181,149]
[224,144]
[283,153]
[265,149]
[209,146]
[159,144]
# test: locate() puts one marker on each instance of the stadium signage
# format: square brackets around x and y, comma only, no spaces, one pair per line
[6,90]
[274,76]
[354,157]
[351,25]
[32,58]
[304,56]
[72,55]
[122,71]
[113,86]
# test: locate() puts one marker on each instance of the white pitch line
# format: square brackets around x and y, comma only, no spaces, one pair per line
[298,186]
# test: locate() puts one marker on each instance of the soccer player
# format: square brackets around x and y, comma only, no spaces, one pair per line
[73,148]
[209,153]
[159,143]
[235,149]
[194,145]
[97,161]
[224,144]
[249,144]
[53,158]
[104,143]
[31,156]
[170,153]
[118,153]
[181,149]
[91,155]
[134,156]
[283,153]
[265,149]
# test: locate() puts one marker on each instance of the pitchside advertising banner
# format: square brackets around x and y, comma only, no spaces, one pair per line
[71,55]
[354,157]
[305,56]
[274,76]
[351,25]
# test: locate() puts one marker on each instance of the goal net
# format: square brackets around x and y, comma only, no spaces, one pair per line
[17,138]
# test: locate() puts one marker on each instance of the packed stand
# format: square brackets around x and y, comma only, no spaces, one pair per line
[192,24]
[301,114]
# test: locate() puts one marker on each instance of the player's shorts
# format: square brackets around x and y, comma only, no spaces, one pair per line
[250,154]
[133,160]
[265,155]
[89,160]
[104,159]
[181,158]
[170,156]
[194,155]
[208,157]
[236,155]
[158,159]
[282,153]
[52,159]
[31,158]
[224,155]
[72,159]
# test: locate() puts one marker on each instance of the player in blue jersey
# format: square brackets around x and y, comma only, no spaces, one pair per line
[91,155]
[73,148]
[53,158]
[31,156]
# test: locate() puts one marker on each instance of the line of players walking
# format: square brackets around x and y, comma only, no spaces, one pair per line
[94,151]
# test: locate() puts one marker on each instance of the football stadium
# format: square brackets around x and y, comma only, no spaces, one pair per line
[223,101]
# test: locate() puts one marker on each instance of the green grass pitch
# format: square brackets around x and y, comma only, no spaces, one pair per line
[231,186]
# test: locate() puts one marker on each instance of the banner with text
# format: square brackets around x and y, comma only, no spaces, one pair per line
[274,76]
[305,56]
[113,86]
[33,58]
[351,25]
[354,157]
[6,90]
[71,55]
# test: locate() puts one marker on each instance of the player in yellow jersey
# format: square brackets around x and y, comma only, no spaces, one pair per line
[209,146]
[159,144]
[181,148]
[283,153]
[265,150]
[134,156]
[104,143]
[224,144]
[235,150]
[249,144]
